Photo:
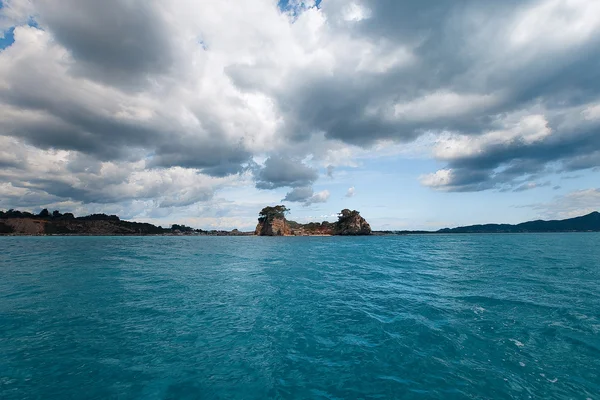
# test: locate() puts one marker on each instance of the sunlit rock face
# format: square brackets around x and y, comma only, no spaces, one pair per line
[274,227]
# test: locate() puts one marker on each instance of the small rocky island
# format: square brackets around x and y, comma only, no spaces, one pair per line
[272,222]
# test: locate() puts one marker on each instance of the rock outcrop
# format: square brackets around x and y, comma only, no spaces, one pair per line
[274,227]
[350,223]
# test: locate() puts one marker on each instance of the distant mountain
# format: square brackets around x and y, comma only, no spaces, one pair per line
[586,223]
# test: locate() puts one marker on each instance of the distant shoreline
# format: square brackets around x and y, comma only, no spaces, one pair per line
[375,233]
[17,223]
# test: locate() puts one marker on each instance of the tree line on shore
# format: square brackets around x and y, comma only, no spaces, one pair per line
[56,215]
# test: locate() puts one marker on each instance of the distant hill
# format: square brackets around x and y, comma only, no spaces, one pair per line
[14,222]
[46,223]
[586,223]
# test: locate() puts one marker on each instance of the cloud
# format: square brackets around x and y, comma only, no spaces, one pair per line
[299,194]
[31,176]
[524,147]
[178,107]
[531,185]
[307,196]
[95,36]
[320,197]
[526,131]
[351,191]
[281,172]
[14,12]
[571,205]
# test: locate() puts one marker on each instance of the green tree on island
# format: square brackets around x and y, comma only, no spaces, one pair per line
[346,214]
[268,214]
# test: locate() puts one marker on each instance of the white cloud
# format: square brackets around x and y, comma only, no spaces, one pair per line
[351,192]
[58,174]
[556,23]
[528,129]
[571,205]
[355,12]
[443,104]
[14,12]
[320,197]
[438,179]
[592,112]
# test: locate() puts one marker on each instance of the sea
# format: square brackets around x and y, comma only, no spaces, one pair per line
[484,316]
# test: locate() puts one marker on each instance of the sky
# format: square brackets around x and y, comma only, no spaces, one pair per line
[421,114]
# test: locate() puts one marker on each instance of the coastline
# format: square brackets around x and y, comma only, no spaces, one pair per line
[375,233]
[350,223]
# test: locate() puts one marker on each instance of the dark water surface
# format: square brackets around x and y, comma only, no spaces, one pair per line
[448,316]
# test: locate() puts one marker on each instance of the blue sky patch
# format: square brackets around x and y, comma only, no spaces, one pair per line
[284,5]
[8,39]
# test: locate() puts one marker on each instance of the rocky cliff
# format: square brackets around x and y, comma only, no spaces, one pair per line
[274,227]
[14,222]
[29,226]
[351,223]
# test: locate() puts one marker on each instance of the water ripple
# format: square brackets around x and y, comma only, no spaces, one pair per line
[445,316]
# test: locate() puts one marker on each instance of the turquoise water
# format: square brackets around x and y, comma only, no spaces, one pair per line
[444,316]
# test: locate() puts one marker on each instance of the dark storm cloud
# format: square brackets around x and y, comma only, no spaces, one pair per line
[99,139]
[213,157]
[114,40]
[61,189]
[204,161]
[437,33]
[446,33]
[285,172]
[69,118]
[464,48]
[585,161]
[80,163]
[570,149]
